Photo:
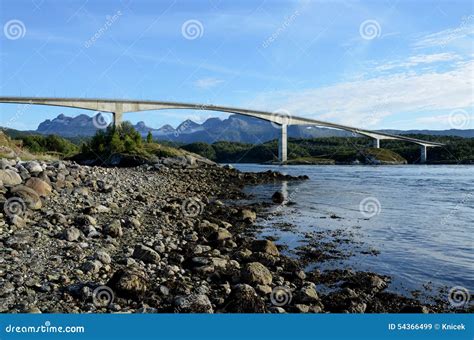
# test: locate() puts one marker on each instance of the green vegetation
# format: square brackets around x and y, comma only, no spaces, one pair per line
[339,149]
[123,144]
[115,140]
[49,144]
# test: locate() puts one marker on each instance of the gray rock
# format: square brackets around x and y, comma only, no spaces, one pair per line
[146,254]
[71,234]
[256,273]
[244,299]
[33,167]
[193,303]
[10,177]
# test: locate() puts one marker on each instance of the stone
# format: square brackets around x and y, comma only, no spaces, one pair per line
[71,234]
[278,197]
[221,235]
[28,195]
[41,187]
[265,246]
[33,167]
[10,177]
[103,257]
[92,266]
[193,303]
[114,229]
[146,254]
[248,215]
[308,293]
[85,220]
[244,299]
[129,283]
[301,308]
[256,273]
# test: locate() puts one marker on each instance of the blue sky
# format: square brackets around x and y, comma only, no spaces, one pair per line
[371,64]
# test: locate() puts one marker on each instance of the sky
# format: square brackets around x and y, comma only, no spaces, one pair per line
[370,64]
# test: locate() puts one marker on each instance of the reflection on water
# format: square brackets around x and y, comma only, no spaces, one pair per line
[423,229]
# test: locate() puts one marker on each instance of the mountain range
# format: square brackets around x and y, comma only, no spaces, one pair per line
[235,128]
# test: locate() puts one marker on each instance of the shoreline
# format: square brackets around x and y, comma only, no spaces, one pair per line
[160,239]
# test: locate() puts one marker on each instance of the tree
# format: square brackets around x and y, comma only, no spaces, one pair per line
[149,137]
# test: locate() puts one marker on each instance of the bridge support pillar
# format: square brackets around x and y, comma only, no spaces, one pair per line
[118,117]
[424,153]
[377,143]
[282,144]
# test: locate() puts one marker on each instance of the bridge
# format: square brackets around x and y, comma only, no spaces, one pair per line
[120,106]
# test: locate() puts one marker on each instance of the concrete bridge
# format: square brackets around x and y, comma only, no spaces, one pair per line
[119,106]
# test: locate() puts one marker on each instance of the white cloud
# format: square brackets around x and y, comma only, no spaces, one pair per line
[445,37]
[365,103]
[418,60]
[207,83]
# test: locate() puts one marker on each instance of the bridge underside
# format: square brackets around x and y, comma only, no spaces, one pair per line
[119,107]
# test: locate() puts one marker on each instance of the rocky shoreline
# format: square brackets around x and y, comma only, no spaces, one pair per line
[157,239]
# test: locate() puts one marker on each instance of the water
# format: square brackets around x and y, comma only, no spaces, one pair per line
[422,222]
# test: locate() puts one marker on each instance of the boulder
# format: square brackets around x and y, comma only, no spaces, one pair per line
[28,195]
[33,167]
[221,235]
[308,293]
[256,273]
[278,197]
[10,177]
[244,299]
[41,187]
[129,283]
[114,229]
[248,215]
[265,246]
[71,234]
[146,254]
[193,303]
